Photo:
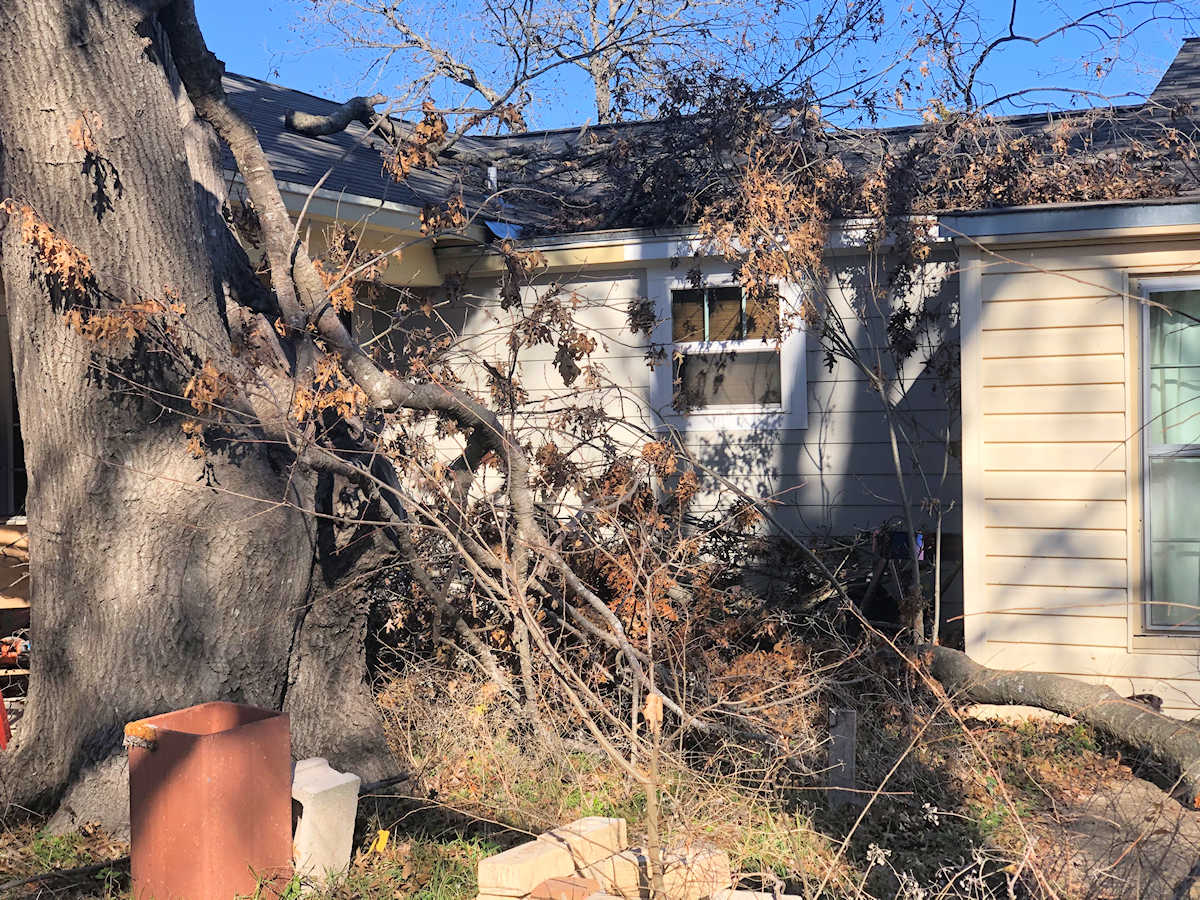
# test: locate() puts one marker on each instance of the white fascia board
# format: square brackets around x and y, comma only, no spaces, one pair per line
[1076,222]
[385,214]
[643,244]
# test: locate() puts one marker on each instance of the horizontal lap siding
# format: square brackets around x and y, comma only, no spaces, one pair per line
[836,476]
[1054,437]
[1052,477]
[1038,600]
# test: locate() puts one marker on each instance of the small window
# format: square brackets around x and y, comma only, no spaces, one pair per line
[1171,440]
[723,356]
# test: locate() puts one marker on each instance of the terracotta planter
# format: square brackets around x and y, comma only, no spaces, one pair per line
[209,802]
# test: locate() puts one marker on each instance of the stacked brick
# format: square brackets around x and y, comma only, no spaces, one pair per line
[590,859]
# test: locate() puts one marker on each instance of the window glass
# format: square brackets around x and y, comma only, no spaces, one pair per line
[724,314]
[745,377]
[762,312]
[687,316]
[1175,541]
[1175,369]
[1172,440]
[736,378]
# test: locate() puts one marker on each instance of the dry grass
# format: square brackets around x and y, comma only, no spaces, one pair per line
[27,850]
[474,762]
[967,810]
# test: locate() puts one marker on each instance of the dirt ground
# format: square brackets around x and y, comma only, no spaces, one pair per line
[1124,838]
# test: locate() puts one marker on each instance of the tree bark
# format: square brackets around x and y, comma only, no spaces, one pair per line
[159,580]
[1168,740]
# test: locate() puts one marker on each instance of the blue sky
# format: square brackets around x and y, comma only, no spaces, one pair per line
[260,39]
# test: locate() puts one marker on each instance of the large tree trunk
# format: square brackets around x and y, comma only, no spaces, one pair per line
[159,580]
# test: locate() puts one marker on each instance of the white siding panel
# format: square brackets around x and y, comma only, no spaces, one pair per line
[1041,486]
[1110,603]
[1022,342]
[1073,398]
[1047,629]
[1000,283]
[1072,543]
[1109,663]
[1106,456]
[1054,427]
[1076,311]
[1051,572]
[1108,369]
[1104,264]
[1055,513]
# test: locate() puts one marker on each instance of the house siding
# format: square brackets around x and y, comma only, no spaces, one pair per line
[835,476]
[1051,431]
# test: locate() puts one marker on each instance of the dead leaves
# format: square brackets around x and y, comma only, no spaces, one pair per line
[449,216]
[65,265]
[118,325]
[420,147]
[330,388]
[205,391]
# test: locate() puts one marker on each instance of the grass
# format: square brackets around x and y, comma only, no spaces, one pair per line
[950,817]
[27,850]
[422,867]
[431,866]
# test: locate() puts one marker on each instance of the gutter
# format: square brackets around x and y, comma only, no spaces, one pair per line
[1077,221]
[648,244]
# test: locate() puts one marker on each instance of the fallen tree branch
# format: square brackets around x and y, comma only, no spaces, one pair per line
[1169,740]
[356,109]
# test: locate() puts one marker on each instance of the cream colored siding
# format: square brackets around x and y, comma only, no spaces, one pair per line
[1052,529]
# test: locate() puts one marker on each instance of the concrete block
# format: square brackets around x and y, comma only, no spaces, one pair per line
[574,887]
[622,874]
[591,839]
[501,894]
[518,871]
[691,874]
[324,834]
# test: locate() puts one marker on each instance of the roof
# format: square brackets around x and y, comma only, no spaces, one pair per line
[634,173]
[1182,78]
[351,158]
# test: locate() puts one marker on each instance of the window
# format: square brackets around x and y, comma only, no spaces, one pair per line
[726,357]
[1171,463]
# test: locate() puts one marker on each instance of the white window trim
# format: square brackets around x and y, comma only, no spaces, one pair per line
[1146,287]
[791,413]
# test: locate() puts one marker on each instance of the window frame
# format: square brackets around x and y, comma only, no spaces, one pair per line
[790,413]
[708,347]
[1145,288]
